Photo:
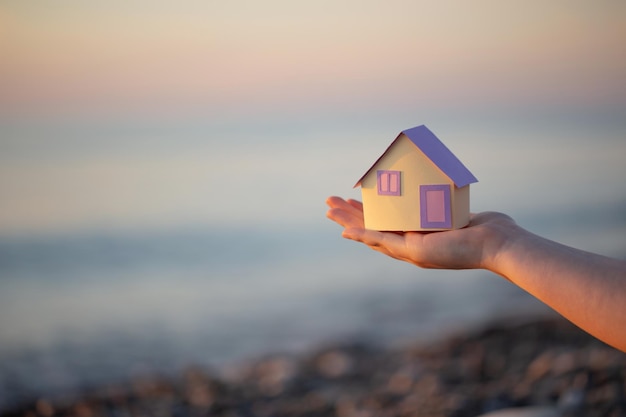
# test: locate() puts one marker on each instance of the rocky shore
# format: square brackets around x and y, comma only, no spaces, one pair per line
[546,362]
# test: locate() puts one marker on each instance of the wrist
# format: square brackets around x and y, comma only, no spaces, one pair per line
[502,239]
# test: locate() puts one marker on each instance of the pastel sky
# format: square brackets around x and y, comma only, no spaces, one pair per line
[179,58]
[91,66]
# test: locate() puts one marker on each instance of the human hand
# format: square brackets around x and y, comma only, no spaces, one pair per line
[586,288]
[475,246]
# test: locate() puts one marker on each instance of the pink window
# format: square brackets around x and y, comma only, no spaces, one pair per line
[388,182]
[435,210]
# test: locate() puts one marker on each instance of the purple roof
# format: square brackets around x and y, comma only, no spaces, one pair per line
[437,152]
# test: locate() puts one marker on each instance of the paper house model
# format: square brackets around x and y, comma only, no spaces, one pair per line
[416,184]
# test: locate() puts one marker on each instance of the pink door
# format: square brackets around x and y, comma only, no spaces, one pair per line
[435,210]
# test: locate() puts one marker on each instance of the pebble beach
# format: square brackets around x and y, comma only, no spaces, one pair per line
[545,363]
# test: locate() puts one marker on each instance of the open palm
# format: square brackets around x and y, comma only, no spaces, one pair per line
[465,248]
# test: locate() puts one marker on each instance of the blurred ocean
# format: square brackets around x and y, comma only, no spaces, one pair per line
[204,244]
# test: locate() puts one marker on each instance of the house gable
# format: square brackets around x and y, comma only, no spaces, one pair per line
[435,151]
[415,167]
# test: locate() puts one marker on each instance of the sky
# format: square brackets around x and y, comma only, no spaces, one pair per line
[71,57]
[103,105]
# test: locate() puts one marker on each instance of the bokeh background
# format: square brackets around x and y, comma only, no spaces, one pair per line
[164,166]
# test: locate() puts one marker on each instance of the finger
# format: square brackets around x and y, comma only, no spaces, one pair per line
[356,204]
[334,201]
[356,234]
[345,218]
[391,244]
[357,209]
[351,206]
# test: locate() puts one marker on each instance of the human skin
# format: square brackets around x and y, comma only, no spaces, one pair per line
[586,288]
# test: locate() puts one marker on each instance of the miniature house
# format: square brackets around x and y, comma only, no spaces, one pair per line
[416,184]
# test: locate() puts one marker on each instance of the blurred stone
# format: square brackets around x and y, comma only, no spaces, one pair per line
[199,389]
[571,400]
[400,383]
[334,364]
[540,366]
[564,362]
[44,408]
[82,409]
[272,374]
[524,412]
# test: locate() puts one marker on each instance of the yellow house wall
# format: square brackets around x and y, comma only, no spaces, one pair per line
[460,206]
[402,213]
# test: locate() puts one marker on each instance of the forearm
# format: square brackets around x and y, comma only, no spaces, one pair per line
[588,289]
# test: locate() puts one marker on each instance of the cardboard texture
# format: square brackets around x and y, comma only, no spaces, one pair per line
[416,184]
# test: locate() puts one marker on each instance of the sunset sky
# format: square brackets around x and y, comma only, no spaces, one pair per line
[237,63]
[170,58]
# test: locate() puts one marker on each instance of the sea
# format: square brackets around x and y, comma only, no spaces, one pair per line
[140,248]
